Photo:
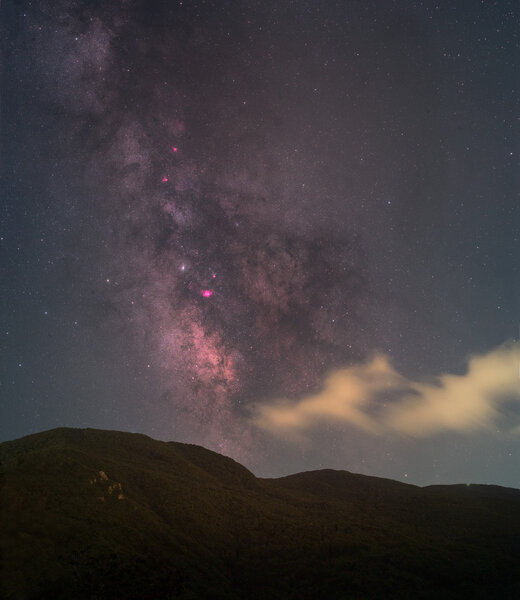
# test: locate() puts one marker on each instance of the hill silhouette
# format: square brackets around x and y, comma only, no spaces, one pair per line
[105,514]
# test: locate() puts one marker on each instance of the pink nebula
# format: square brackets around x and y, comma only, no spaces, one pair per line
[174,148]
[207,293]
[164,179]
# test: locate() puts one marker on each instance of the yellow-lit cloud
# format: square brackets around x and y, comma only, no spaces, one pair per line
[356,396]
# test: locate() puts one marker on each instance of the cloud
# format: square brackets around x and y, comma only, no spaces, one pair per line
[346,396]
[374,397]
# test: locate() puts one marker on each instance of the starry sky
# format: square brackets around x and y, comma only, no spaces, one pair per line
[286,230]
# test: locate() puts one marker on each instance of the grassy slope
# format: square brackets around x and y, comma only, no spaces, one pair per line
[97,514]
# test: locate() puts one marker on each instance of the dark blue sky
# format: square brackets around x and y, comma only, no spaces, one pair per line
[210,207]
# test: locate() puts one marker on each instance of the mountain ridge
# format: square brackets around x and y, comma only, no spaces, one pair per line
[91,513]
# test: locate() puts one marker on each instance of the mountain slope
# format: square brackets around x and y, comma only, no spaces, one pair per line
[98,514]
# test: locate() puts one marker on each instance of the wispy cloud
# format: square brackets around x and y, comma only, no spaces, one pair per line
[374,397]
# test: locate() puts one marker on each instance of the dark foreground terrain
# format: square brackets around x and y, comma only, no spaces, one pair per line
[98,514]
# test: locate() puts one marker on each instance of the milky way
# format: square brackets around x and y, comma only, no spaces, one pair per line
[232,295]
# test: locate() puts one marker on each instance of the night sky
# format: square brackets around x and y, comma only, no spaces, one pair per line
[286,230]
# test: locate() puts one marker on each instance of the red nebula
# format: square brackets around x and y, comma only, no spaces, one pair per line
[164,179]
[174,148]
[207,293]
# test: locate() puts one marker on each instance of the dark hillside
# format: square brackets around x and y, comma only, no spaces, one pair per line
[104,514]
